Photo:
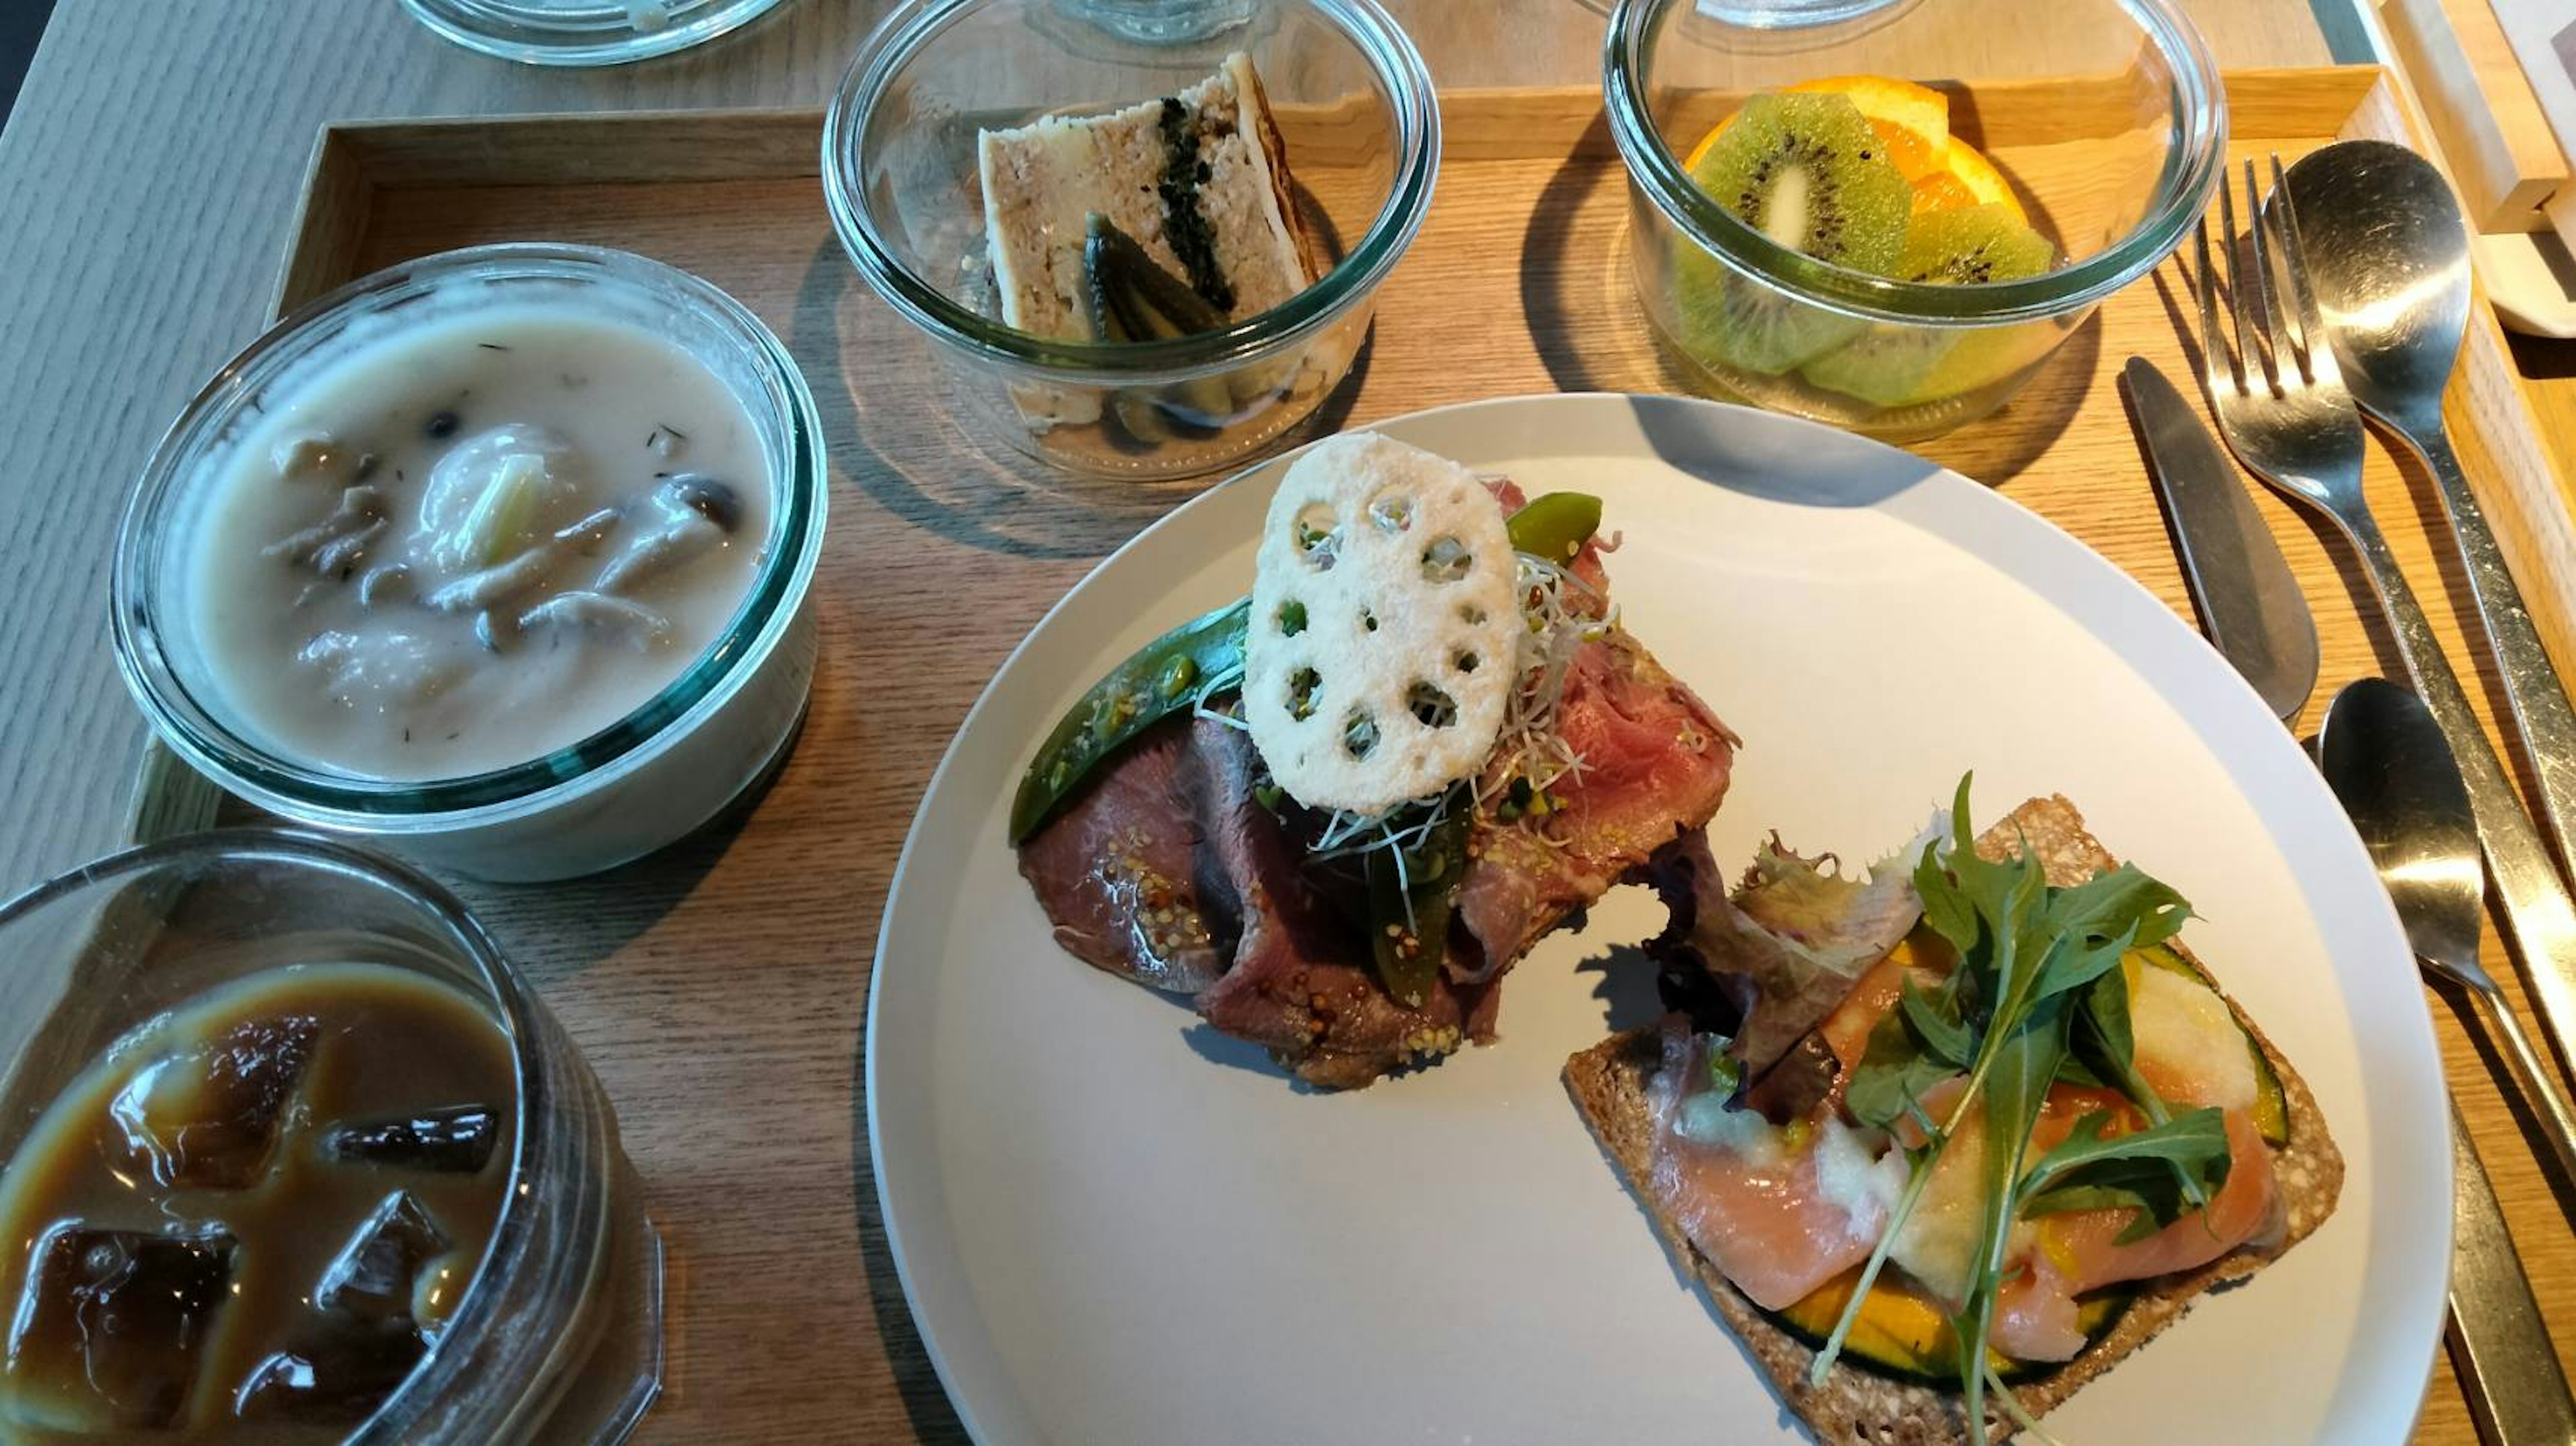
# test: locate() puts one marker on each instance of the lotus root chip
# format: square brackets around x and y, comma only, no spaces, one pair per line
[1384,622]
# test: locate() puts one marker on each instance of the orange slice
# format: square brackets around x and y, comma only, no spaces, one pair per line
[1976,175]
[1942,191]
[1699,152]
[1913,119]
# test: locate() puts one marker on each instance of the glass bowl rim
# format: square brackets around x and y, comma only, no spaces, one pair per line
[336,800]
[905,31]
[2193,169]
[576,40]
[510,994]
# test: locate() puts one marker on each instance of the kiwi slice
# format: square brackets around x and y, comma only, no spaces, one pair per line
[1810,172]
[1903,366]
[1971,245]
[1726,322]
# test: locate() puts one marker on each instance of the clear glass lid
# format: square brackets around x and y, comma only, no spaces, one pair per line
[584,32]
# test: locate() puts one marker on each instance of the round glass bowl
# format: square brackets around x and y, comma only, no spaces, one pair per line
[2112,146]
[584,32]
[1354,108]
[558,1335]
[646,780]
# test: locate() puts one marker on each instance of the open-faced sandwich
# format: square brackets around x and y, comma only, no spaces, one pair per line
[1948,1142]
[1336,813]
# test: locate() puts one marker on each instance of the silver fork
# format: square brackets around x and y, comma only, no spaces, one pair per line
[2284,411]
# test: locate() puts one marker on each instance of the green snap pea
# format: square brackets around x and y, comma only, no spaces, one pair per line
[1199,659]
[1555,525]
[1409,917]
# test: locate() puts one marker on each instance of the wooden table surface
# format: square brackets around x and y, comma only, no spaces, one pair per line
[151,171]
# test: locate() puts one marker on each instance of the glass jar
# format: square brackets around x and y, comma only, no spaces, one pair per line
[644,781]
[1361,130]
[559,1332]
[2105,135]
[584,32]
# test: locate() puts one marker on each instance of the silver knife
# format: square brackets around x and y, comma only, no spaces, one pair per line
[2252,609]
[2499,1340]
[2249,603]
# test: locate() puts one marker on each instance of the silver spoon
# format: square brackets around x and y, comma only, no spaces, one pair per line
[2388,258]
[2388,763]
[2386,759]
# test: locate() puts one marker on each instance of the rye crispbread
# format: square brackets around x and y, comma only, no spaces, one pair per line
[1856,1405]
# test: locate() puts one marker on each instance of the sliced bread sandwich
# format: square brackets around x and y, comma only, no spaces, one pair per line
[1199,180]
[1774,1192]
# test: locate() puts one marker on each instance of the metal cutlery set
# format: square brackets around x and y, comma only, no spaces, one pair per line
[2352,298]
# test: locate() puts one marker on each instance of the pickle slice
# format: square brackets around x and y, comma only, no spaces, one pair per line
[1134,299]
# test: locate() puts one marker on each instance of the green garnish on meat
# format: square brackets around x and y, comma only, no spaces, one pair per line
[1202,660]
[1555,525]
[1411,890]
[1196,661]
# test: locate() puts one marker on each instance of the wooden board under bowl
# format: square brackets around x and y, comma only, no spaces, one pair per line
[719,987]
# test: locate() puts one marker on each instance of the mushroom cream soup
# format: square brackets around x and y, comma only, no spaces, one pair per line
[476,540]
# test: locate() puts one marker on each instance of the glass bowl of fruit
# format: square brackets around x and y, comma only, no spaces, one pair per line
[1870,223]
[1143,245]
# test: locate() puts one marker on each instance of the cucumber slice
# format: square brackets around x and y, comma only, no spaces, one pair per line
[2271,1106]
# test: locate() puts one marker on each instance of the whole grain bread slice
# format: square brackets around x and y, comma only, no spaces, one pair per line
[1853,1404]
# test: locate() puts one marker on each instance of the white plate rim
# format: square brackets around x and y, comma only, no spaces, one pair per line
[983,1412]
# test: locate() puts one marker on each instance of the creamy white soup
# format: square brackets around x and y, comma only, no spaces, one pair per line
[476,540]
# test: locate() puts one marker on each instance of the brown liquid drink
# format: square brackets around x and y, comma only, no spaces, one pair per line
[253,1215]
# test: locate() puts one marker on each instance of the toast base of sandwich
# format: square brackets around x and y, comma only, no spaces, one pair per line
[1855,1404]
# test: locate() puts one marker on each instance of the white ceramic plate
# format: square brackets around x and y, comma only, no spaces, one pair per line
[1117,1227]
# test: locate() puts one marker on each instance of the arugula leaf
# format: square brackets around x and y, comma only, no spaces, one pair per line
[1992,912]
[2104,1044]
[1923,1041]
[1894,1073]
[1932,1020]
[2013,908]
[1913,1048]
[2072,965]
[2037,995]
[2072,1070]
[1947,907]
[2123,899]
[2018,1076]
[2145,1170]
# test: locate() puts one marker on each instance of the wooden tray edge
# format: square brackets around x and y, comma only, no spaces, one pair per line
[2521,491]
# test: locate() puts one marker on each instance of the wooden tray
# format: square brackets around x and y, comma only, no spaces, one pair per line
[720,988]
